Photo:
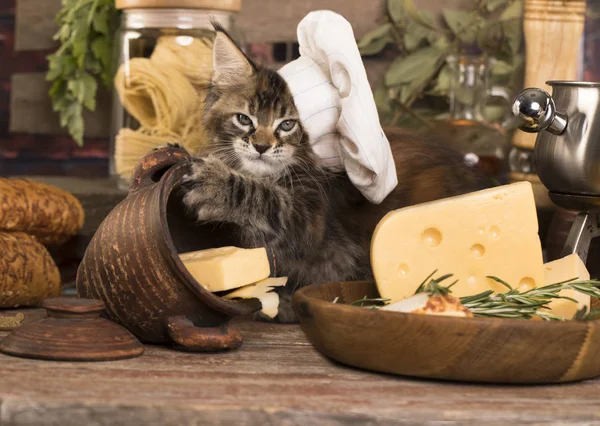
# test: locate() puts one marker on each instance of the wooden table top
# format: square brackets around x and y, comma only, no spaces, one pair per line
[276,378]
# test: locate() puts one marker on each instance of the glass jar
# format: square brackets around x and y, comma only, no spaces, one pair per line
[162,74]
[483,142]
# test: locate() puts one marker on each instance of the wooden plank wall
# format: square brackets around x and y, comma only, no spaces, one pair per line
[31,140]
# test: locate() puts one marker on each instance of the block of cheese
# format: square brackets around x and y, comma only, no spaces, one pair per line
[490,232]
[226,268]
[262,291]
[564,269]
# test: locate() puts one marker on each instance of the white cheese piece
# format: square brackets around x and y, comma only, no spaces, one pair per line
[423,303]
[564,269]
[261,291]
[490,232]
[226,268]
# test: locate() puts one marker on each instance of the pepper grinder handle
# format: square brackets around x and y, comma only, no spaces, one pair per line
[536,111]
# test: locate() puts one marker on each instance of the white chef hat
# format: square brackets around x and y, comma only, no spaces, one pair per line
[335,101]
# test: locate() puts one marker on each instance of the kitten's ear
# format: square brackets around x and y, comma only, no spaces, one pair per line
[230,65]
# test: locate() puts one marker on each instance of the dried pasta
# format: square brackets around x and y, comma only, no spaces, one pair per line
[165,94]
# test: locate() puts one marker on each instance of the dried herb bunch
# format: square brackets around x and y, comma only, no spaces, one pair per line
[489,27]
[84,58]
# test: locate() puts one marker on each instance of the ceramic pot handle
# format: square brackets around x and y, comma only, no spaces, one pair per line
[153,166]
[202,339]
[536,112]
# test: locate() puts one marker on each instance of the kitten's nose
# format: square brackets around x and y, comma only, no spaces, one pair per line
[261,149]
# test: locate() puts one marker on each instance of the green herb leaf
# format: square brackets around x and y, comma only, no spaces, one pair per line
[375,40]
[513,11]
[463,24]
[101,21]
[501,68]
[85,33]
[442,82]
[492,5]
[382,99]
[512,32]
[415,67]
[424,18]
[416,33]
[396,11]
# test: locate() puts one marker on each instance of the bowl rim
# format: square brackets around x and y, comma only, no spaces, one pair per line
[304,294]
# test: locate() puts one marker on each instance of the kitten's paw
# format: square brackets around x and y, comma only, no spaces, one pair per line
[286,314]
[204,188]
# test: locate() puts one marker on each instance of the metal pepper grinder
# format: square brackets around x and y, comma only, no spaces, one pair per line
[567,152]
[552,29]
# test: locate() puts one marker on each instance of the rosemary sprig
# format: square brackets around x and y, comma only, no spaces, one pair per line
[528,304]
[510,304]
[374,302]
[433,287]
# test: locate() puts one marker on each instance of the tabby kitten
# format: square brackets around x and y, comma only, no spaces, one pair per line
[260,172]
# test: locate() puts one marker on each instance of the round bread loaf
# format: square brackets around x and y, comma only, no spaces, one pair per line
[45,211]
[28,275]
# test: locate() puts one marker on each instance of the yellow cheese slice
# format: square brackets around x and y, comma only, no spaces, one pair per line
[226,268]
[490,232]
[261,291]
[564,269]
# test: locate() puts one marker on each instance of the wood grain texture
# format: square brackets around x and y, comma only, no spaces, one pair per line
[49,213]
[553,30]
[489,350]
[34,24]
[31,108]
[28,275]
[232,5]
[276,378]
[132,262]
[261,20]
[72,331]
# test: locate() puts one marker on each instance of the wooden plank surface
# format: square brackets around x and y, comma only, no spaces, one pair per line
[31,109]
[260,21]
[34,24]
[276,378]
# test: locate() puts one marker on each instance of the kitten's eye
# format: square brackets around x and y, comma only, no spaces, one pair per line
[287,125]
[243,119]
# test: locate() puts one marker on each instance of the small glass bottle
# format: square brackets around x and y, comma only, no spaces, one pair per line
[481,141]
[163,68]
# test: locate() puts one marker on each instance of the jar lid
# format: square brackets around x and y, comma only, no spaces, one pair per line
[229,5]
[72,331]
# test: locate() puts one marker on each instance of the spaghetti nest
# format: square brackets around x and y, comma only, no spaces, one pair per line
[165,94]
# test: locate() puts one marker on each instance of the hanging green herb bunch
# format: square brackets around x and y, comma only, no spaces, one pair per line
[83,60]
[420,72]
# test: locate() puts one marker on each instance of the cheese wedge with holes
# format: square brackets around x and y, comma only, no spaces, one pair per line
[564,269]
[262,291]
[490,232]
[226,268]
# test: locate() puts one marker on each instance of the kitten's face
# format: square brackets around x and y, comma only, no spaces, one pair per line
[251,115]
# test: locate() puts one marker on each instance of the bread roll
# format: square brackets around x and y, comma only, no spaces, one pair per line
[28,275]
[45,211]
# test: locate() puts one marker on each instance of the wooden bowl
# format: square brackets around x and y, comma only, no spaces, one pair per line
[488,350]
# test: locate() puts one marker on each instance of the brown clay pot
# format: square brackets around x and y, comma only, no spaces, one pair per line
[132,263]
